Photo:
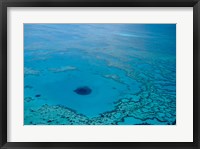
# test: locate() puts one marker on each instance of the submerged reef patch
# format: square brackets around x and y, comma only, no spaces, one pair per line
[28,87]
[63,69]
[28,99]
[30,71]
[83,90]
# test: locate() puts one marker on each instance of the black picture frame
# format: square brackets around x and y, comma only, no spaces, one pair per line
[4,4]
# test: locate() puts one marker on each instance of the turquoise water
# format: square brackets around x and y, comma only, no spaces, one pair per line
[128,69]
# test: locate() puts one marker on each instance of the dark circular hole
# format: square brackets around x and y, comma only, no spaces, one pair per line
[38,95]
[83,90]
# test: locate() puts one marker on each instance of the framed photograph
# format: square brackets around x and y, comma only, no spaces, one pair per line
[100,74]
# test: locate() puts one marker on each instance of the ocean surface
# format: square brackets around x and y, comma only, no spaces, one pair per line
[99,74]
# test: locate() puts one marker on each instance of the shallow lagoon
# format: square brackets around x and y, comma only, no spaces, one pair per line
[131,70]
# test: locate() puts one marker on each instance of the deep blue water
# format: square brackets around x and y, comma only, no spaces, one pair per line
[130,70]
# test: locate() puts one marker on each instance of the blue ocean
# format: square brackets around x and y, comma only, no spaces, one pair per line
[99,74]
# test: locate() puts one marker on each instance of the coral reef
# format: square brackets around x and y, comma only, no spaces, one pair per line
[142,112]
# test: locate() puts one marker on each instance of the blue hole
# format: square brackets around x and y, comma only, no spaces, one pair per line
[83,90]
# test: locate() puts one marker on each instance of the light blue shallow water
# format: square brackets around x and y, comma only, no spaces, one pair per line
[130,68]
